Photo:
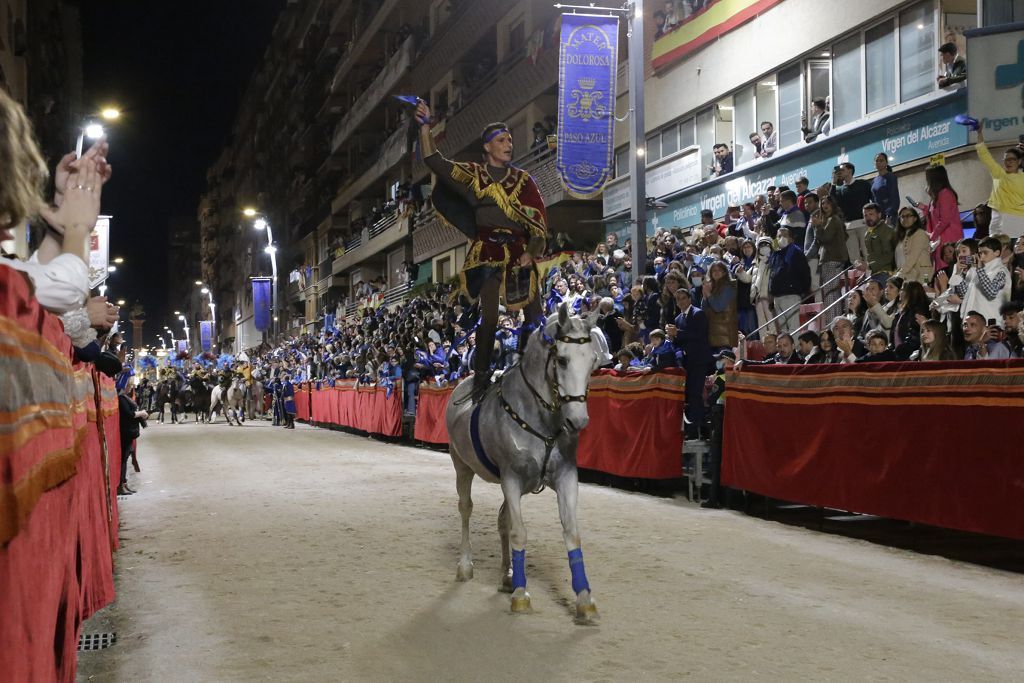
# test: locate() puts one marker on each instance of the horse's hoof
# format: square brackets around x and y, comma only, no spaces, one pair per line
[521,604]
[506,584]
[464,573]
[586,614]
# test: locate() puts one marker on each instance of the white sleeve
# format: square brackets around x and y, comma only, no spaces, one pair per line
[61,285]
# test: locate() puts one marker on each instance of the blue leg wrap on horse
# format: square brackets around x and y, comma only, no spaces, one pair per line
[579,574]
[518,569]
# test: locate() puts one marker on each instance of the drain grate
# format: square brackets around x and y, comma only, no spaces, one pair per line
[88,642]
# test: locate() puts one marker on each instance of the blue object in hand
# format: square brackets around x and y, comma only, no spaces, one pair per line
[969,121]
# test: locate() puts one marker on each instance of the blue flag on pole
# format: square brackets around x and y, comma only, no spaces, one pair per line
[205,334]
[261,293]
[587,65]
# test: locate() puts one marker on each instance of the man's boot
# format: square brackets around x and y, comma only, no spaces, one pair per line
[481,383]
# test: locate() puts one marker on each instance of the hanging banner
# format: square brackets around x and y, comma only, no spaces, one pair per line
[182,346]
[329,322]
[261,293]
[99,252]
[587,65]
[680,28]
[205,334]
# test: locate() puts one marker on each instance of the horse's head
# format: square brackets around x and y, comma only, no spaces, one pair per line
[573,354]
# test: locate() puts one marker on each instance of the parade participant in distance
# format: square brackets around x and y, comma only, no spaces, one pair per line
[288,402]
[501,210]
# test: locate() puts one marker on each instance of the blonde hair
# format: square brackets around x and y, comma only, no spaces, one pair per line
[21,192]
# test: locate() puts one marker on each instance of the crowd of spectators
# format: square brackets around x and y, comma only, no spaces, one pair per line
[885,282]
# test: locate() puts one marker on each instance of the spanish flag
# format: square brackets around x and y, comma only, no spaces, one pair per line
[717,18]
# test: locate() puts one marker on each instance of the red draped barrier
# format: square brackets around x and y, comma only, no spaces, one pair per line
[431,407]
[59,467]
[302,403]
[636,424]
[365,408]
[936,443]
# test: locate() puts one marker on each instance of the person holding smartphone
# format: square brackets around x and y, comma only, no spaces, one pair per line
[982,282]
[1007,198]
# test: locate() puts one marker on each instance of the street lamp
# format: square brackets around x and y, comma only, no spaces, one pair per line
[213,310]
[261,224]
[121,302]
[92,130]
[184,323]
[119,260]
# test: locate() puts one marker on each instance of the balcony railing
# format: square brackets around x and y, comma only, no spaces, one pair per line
[383,224]
[540,162]
[390,153]
[388,232]
[377,90]
[433,236]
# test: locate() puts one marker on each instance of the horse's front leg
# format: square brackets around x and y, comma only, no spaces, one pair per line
[464,486]
[506,560]
[567,489]
[513,490]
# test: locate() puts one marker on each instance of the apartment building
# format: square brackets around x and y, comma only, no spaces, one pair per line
[322,150]
[876,62]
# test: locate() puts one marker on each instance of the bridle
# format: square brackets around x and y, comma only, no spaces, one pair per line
[558,399]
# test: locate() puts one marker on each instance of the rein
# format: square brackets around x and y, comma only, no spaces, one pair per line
[557,398]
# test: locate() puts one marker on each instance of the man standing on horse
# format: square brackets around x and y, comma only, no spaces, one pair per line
[500,208]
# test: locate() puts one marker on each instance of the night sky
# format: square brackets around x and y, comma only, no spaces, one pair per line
[177,70]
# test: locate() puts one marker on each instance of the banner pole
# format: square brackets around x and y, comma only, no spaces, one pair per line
[637,141]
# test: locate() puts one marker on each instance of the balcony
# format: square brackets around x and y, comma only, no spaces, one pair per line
[519,82]
[366,34]
[468,23]
[381,235]
[390,153]
[433,236]
[385,81]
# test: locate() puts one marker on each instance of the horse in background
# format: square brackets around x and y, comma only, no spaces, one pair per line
[532,417]
[228,401]
[200,398]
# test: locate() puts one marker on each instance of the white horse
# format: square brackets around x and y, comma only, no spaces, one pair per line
[532,417]
[228,401]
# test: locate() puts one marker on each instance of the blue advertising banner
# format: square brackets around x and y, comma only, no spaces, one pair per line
[205,334]
[182,346]
[261,292]
[329,322]
[587,65]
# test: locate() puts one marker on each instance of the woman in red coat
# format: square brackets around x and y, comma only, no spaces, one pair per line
[943,212]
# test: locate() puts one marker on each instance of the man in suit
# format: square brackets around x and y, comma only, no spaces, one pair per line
[954,67]
[690,336]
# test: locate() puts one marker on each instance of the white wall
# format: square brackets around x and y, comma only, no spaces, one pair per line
[780,35]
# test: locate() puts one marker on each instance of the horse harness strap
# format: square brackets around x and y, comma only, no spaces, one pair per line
[549,441]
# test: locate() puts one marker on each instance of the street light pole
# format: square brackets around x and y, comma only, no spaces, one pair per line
[637,140]
[263,224]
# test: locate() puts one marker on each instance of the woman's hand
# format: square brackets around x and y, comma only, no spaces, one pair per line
[69,164]
[101,314]
[76,217]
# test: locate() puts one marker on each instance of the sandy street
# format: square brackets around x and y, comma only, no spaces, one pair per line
[259,554]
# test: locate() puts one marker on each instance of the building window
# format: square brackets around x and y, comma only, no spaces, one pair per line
[686,134]
[653,148]
[995,12]
[744,123]
[917,51]
[622,161]
[706,138]
[846,82]
[765,103]
[879,61]
[516,38]
[444,269]
[790,105]
[670,140]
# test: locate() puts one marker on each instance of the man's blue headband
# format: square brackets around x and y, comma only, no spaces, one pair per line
[495,133]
